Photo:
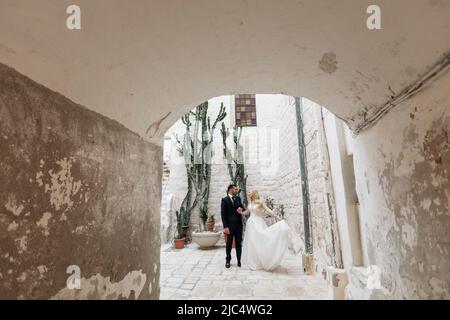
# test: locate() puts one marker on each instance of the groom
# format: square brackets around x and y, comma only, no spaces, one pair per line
[232,222]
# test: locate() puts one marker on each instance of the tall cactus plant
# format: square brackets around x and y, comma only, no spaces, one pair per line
[186,149]
[235,160]
[197,148]
[206,151]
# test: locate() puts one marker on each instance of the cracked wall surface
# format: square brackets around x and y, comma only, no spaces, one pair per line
[403,181]
[76,189]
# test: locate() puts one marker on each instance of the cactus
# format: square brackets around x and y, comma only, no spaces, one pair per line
[235,160]
[197,151]
[180,224]
[186,149]
[204,167]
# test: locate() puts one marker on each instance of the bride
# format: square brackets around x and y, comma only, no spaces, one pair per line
[264,246]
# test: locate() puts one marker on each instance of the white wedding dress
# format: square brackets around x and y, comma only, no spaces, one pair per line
[264,246]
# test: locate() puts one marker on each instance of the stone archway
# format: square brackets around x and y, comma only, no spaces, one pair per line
[135,56]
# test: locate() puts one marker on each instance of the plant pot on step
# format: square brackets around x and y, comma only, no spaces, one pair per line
[179,243]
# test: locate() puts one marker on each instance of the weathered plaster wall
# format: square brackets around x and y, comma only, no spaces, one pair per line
[403,183]
[76,189]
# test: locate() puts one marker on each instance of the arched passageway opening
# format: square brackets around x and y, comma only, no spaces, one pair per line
[275,144]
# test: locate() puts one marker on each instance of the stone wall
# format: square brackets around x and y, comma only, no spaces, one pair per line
[403,183]
[76,189]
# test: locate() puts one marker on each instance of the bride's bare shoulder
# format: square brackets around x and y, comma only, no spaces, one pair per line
[259,203]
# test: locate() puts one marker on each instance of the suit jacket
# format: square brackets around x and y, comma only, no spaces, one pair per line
[229,213]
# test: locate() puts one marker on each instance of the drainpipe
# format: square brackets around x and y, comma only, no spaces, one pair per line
[307,258]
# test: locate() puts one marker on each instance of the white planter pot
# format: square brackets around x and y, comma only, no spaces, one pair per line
[206,239]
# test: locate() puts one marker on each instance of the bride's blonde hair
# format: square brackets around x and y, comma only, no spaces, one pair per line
[255,196]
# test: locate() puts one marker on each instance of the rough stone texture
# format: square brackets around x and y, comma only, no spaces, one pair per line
[403,182]
[76,189]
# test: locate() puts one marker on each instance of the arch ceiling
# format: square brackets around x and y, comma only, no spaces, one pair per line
[144,63]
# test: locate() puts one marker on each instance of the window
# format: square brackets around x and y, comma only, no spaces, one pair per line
[245,110]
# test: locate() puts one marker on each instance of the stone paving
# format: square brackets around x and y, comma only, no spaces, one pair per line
[193,273]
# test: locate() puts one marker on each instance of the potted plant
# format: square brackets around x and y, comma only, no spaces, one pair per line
[179,240]
[210,222]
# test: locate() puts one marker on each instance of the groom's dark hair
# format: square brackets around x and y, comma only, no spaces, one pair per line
[231,186]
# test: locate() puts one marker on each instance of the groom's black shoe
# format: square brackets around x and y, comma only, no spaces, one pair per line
[239,264]
[227,264]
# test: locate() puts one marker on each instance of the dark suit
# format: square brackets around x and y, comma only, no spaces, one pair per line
[232,220]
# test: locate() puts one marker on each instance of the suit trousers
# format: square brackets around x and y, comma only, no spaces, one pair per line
[235,232]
